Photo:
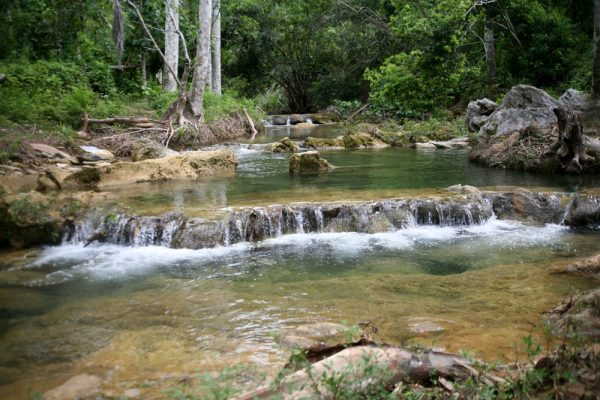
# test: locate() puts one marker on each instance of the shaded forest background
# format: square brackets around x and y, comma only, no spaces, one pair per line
[406,58]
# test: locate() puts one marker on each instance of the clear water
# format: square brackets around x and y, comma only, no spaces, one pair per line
[150,317]
[263,178]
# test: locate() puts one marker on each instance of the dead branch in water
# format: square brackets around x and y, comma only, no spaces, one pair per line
[252,128]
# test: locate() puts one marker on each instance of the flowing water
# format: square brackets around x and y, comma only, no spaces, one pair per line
[150,316]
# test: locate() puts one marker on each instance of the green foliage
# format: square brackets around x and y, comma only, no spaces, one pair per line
[219,107]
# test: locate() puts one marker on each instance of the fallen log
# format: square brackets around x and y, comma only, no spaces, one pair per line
[364,369]
[125,121]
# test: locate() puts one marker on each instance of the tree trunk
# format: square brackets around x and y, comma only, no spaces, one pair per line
[596,67]
[118,32]
[571,145]
[489,44]
[202,63]
[144,71]
[171,44]
[216,47]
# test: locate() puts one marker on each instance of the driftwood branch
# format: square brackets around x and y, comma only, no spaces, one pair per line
[252,128]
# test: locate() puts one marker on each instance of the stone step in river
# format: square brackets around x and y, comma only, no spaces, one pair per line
[254,224]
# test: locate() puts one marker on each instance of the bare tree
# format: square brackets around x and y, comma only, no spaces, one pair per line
[489,45]
[596,67]
[171,45]
[216,47]
[118,32]
[201,75]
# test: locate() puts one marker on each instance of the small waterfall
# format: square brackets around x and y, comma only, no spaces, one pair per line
[260,223]
[299,221]
[288,122]
[309,121]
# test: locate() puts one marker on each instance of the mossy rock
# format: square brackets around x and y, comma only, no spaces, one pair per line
[309,162]
[285,145]
[28,219]
[324,143]
[358,140]
[86,177]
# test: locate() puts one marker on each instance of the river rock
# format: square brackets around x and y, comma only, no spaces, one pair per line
[297,119]
[78,387]
[279,119]
[148,149]
[324,144]
[578,316]
[584,211]
[191,165]
[425,146]
[285,145]
[309,162]
[51,152]
[312,336]
[478,112]
[93,153]
[304,125]
[362,140]
[588,268]
[522,131]
[522,204]
[463,189]
[575,100]
[28,219]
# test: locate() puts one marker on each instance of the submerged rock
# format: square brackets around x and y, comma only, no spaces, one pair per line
[191,165]
[309,162]
[588,268]
[78,387]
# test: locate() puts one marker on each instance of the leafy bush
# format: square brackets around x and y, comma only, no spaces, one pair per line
[406,87]
[219,107]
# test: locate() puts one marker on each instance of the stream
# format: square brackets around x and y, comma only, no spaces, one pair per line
[148,316]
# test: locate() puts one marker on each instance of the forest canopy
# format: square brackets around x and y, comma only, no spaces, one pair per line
[407,58]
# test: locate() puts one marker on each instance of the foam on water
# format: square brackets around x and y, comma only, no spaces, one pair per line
[114,262]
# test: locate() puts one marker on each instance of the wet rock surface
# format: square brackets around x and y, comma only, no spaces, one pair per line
[308,162]
[522,131]
[191,165]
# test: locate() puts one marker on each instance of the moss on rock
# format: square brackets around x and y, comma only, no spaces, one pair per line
[309,162]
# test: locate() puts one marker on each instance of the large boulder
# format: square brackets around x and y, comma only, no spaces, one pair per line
[522,131]
[191,165]
[529,206]
[478,112]
[309,162]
